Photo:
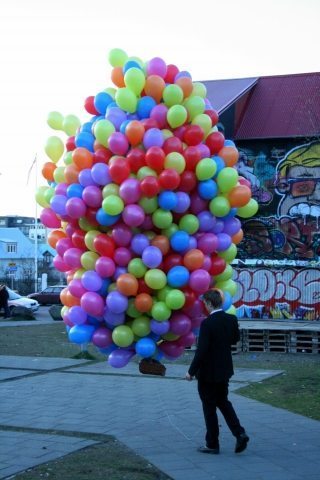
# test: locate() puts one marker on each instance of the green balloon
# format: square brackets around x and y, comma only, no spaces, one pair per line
[155,279]
[230,254]
[162,294]
[113,205]
[145,172]
[168,232]
[248,210]
[137,268]
[67,159]
[110,189]
[149,205]
[70,124]
[175,161]
[172,95]
[112,91]
[58,175]
[122,336]
[189,223]
[206,169]
[170,337]
[40,196]
[199,89]
[176,116]
[85,225]
[102,131]
[160,311]
[195,105]
[162,218]
[89,239]
[227,179]
[219,206]
[141,326]
[225,275]
[135,80]
[131,310]
[88,260]
[229,286]
[48,194]
[175,299]
[78,274]
[126,99]
[232,310]
[204,121]
[54,148]
[117,57]
[55,120]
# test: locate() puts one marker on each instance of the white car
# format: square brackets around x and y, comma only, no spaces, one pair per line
[16,300]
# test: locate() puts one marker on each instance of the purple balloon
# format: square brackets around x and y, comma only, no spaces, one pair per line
[91,281]
[159,114]
[116,116]
[72,257]
[183,202]
[62,245]
[147,223]
[198,204]
[122,235]
[58,204]
[105,267]
[133,215]
[116,302]
[118,143]
[92,196]
[157,66]
[122,256]
[152,256]
[204,150]
[153,138]
[232,226]
[120,358]
[112,318]
[206,221]
[76,288]
[77,315]
[200,280]
[218,226]
[139,243]
[119,271]
[100,174]
[85,178]
[93,304]
[224,241]
[59,264]
[159,328]
[102,337]
[61,189]
[208,243]
[180,324]
[130,191]
[75,207]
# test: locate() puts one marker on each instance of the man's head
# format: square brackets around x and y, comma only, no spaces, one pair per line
[212,299]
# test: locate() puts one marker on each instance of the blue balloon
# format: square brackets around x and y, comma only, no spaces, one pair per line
[178,276]
[75,190]
[58,204]
[106,220]
[81,333]
[145,347]
[207,189]
[229,143]
[220,164]
[86,127]
[123,126]
[101,101]
[104,287]
[179,241]
[145,105]
[130,64]
[232,213]
[227,302]
[85,140]
[113,104]
[167,200]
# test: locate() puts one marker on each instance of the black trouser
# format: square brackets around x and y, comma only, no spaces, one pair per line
[215,395]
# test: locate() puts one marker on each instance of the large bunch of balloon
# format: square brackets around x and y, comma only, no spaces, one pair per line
[143,200]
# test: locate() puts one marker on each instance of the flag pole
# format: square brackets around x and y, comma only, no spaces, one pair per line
[36,229]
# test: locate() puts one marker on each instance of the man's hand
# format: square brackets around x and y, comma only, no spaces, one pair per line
[189,377]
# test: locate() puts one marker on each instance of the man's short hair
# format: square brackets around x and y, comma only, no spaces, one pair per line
[213,297]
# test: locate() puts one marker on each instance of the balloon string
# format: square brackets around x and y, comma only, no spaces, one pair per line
[170,420]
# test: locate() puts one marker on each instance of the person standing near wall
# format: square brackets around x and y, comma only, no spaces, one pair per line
[4,297]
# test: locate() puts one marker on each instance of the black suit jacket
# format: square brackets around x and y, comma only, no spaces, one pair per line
[212,361]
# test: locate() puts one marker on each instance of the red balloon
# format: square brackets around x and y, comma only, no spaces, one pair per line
[155,158]
[104,245]
[89,105]
[244,181]
[213,115]
[149,123]
[70,144]
[119,170]
[215,142]
[169,179]
[91,216]
[150,186]
[190,297]
[192,157]
[188,181]
[179,132]
[193,135]
[172,144]
[218,265]
[102,155]
[78,239]
[136,159]
[172,71]
[172,260]
[143,287]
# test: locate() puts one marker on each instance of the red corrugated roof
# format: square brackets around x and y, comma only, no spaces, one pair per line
[223,93]
[282,106]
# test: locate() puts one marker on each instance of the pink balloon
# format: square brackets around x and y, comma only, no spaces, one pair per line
[171,350]
[118,143]
[199,280]
[72,257]
[76,288]
[157,66]
[92,196]
[122,235]
[133,215]
[159,113]
[93,304]
[105,267]
[49,218]
[208,243]
[59,264]
[62,245]
[75,207]
[130,191]
[122,256]
[180,324]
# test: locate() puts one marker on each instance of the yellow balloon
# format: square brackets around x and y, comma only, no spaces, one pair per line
[40,196]
[55,120]
[54,148]
[70,125]
[58,175]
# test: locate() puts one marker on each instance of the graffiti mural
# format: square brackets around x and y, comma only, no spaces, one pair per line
[278,294]
[285,180]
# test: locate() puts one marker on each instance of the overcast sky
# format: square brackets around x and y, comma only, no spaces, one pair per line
[53,55]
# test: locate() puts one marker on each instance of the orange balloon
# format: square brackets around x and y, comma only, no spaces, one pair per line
[237,237]
[143,302]
[162,242]
[117,77]
[229,155]
[193,259]
[67,299]
[54,236]
[185,83]
[82,158]
[127,284]
[239,196]
[134,132]
[71,174]
[154,87]
[47,171]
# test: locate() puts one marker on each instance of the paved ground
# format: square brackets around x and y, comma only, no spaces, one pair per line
[42,399]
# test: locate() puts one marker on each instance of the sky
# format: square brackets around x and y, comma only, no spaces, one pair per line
[54,54]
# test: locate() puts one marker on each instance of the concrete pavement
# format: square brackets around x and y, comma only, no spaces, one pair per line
[42,399]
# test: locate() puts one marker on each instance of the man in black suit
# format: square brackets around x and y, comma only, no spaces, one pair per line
[212,365]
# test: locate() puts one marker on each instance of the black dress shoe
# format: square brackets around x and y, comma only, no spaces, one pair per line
[241,443]
[205,449]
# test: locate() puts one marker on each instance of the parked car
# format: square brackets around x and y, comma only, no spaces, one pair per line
[16,300]
[50,295]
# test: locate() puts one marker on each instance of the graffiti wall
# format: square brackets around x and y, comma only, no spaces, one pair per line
[278,294]
[278,265]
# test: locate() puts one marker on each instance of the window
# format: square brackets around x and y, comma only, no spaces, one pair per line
[11,248]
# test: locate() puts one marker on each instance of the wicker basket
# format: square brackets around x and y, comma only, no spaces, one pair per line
[150,366]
